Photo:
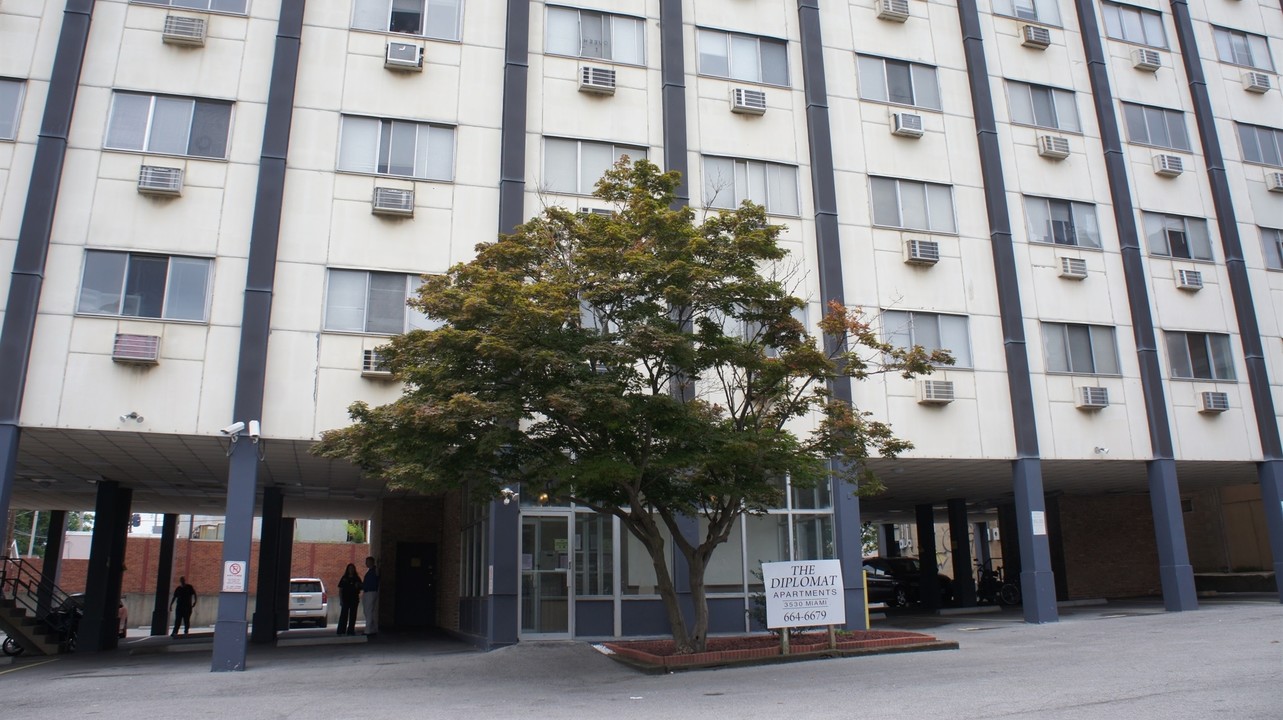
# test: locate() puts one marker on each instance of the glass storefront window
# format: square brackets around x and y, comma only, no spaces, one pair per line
[638,571]
[594,555]
[725,571]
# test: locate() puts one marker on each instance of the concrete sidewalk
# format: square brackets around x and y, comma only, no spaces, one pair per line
[1130,660]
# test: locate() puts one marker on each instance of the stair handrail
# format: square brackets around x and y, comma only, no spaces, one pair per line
[17,575]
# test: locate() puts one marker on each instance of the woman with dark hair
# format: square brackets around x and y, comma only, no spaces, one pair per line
[349,599]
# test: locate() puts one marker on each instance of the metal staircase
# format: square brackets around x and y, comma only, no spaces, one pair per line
[39,618]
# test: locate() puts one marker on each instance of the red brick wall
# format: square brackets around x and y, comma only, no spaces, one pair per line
[1109,546]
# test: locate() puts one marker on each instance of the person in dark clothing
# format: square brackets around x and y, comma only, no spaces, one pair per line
[349,597]
[183,601]
[370,600]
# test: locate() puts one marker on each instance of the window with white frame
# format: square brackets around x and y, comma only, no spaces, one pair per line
[1134,25]
[932,331]
[912,205]
[1080,349]
[1272,245]
[1148,125]
[1062,222]
[743,57]
[730,181]
[898,82]
[589,34]
[146,286]
[361,301]
[169,125]
[574,166]
[396,147]
[1178,236]
[1200,356]
[1241,48]
[10,107]
[1262,145]
[1043,11]
[1042,106]
[437,19]
[228,6]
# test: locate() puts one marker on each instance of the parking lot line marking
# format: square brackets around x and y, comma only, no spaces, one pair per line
[24,667]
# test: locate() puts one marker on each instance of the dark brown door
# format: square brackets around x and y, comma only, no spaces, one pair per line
[416,585]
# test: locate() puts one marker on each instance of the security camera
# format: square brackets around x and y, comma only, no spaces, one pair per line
[253,430]
[233,429]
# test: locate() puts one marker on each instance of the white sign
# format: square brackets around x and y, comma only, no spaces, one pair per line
[1040,522]
[804,593]
[234,572]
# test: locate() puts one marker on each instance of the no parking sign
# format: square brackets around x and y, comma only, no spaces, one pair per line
[234,575]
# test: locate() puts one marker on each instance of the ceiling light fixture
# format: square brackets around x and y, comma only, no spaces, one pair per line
[131,415]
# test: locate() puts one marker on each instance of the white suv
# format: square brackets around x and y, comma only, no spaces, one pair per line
[308,601]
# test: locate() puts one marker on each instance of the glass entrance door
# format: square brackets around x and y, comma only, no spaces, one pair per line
[546,572]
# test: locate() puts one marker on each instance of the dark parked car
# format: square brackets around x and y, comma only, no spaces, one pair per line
[896,580]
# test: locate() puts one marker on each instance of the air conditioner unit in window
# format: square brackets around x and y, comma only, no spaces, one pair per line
[1189,280]
[372,365]
[893,10]
[1274,181]
[183,30]
[596,211]
[1257,82]
[393,201]
[1053,146]
[1073,268]
[906,124]
[1168,165]
[935,392]
[1147,59]
[921,252]
[747,101]
[1213,402]
[158,180]
[1092,398]
[404,56]
[136,349]
[598,80]
[1035,36]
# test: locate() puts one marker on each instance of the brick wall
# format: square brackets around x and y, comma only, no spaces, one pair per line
[1109,546]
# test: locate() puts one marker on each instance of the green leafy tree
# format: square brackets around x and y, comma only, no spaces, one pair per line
[643,365]
[22,528]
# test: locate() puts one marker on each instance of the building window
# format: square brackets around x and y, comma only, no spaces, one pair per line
[148,286]
[912,205]
[1062,222]
[729,182]
[1272,244]
[1080,349]
[574,166]
[1042,106]
[1156,126]
[168,125]
[397,147]
[1261,144]
[1044,11]
[10,107]
[437,19]
[1178,236]
[373,302]
[1240,48]
[1200,356]
[227,6]
[587,34]
[743,57]
[594,561]
[898,82]
[930,330]
[1134,25]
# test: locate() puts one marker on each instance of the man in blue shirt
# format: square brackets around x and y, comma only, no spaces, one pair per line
[370,597]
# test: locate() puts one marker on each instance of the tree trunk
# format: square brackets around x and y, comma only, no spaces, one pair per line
[699,599]
[648,533]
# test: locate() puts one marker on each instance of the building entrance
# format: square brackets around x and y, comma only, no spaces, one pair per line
[546,572]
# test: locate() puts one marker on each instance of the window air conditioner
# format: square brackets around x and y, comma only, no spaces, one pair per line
[158,180]
[1257,82]
[404,56]
[1213,402]
[183,30]
[1189,280]
[372,365]
[598,80]
[136,349]
[1073,268]
[604,212]
[1092,398]
[393,201]
[921,252]
[1168,165]
[906,124]
[1147,59]
[893,10]
[747,101]
[935,392]
[1274,181]
[1035,36]
[1053,146]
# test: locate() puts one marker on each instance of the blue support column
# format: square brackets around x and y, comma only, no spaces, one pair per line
[849,548]
[929,584]
[164,575]
[1174,570]
[503,614]
[281,583]
[1270,473]
[1037,582]
[106,567]
[269,568]
[230,632]
[964,584]
[53,557]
